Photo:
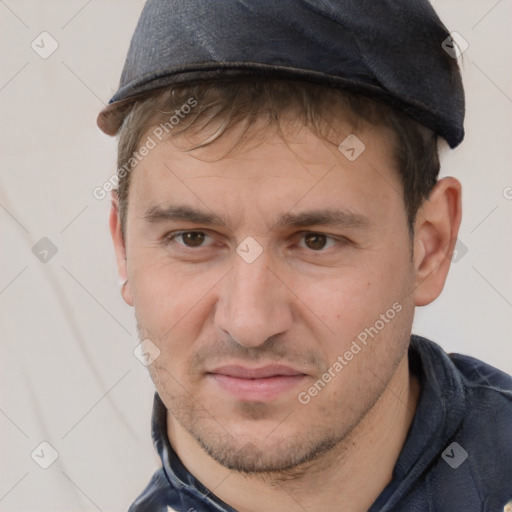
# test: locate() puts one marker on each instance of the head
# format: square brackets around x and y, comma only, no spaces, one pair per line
[252,234]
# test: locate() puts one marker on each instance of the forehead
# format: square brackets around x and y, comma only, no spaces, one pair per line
[268,175]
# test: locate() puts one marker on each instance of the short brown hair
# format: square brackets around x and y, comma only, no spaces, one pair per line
[221,105]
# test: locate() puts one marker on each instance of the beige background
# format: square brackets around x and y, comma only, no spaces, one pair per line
[68,374]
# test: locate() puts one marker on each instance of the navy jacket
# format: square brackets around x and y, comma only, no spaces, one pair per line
[457,456]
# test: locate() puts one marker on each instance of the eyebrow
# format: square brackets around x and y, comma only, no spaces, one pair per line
[326,217]
[183,213]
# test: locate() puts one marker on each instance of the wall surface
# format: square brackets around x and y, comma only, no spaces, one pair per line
[68,373]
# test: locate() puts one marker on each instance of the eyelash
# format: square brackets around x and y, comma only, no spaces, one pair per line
[170,238]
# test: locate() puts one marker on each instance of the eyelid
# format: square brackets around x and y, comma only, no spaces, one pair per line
[338,239]
[170,237]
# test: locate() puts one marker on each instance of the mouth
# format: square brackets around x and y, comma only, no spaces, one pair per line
[256,384]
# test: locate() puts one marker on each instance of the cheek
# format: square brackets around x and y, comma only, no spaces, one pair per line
[171,312]
[354,298]
[167,302]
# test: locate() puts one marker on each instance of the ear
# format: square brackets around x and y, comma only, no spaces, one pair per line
[435,235]
[120,248]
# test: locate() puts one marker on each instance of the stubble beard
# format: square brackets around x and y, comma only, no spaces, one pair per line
[276,458]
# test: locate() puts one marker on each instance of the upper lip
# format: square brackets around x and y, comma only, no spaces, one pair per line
[244,372]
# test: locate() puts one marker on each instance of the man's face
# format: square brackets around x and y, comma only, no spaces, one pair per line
[257,297]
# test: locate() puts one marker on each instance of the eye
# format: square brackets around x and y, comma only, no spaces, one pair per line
[318,241]
[187,238]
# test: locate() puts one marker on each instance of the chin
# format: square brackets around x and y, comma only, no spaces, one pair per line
[271,448]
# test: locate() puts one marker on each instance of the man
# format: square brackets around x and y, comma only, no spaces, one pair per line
[278,219]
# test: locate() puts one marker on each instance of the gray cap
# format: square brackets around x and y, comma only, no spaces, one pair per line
[391,50]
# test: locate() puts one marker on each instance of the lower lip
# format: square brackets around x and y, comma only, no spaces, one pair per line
[256,389]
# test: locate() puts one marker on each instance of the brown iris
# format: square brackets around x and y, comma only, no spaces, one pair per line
[193,238]
[315,241]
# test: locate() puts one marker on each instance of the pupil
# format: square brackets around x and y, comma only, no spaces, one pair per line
[315,241]
[193,239]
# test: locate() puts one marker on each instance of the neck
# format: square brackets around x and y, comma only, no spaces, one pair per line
[349,477]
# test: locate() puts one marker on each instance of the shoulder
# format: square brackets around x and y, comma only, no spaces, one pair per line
[486,387]
[478,374]
[469,403]
[485,432]
[488,417]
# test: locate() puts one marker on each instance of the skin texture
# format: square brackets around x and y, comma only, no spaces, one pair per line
[301,303]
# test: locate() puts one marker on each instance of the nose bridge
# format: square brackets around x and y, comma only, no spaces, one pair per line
[251,285]
[254,304]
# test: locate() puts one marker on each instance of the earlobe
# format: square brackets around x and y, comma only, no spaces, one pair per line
[119,248]
[435,234]
[126,293]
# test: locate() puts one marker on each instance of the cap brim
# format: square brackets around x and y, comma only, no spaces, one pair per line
[111,118]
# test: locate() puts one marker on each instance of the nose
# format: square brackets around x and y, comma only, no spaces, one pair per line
[254,303]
